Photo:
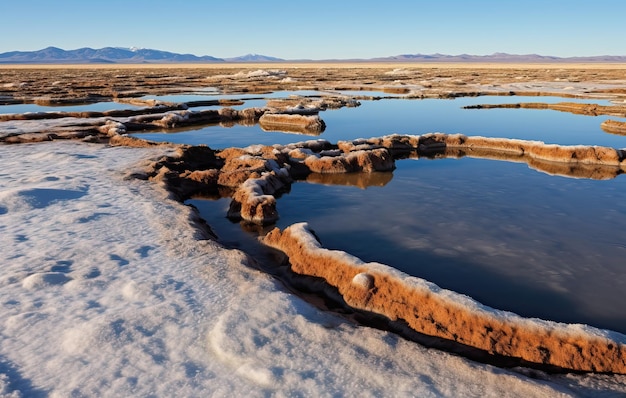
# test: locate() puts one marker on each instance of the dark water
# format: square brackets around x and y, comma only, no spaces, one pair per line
[509,236]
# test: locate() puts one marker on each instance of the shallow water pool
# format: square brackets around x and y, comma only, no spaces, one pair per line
[511,237]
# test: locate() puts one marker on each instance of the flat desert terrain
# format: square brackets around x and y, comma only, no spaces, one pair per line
[24,82]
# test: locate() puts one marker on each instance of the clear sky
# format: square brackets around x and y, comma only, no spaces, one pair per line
[320,29]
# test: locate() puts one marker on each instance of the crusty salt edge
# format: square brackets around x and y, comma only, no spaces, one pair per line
[532,149]
[254,201]
[377,159]
[430,310]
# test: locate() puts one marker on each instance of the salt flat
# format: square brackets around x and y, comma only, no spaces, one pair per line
[108,288]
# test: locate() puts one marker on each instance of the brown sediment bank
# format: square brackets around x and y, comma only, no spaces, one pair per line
[436,312]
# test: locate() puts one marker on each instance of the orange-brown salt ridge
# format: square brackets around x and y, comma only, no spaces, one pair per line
[256,176]
[433,311]
[304,106]
[292,123]
[530,149]
[254,201]
[252,195]
[125,140]
[378,159]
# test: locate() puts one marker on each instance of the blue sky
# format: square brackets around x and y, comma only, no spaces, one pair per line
[320,29]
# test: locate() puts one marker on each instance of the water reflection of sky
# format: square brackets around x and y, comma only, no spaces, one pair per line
[507,235]
[511,237]
[402,116]
[376,118]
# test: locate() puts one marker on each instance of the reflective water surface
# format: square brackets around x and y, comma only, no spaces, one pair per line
[509,236]
[512,237]
[403,116]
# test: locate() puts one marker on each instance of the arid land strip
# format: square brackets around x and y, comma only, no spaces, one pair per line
[87,82]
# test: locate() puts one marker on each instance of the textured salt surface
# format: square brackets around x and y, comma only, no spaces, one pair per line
[105,290]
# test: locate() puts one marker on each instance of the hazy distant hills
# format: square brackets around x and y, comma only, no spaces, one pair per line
[54,55]
[51,55]
[254,58]
[102,55]
[497,57]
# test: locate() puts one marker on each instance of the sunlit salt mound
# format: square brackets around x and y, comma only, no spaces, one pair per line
[614,127]
[575,161]
[292,123]
[439,143]
[433,311]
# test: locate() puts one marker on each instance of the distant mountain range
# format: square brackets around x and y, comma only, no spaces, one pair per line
[498,57]
[54,55]
[115,55]
[254,58]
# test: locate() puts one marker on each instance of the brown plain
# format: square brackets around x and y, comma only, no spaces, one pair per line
[66,82]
